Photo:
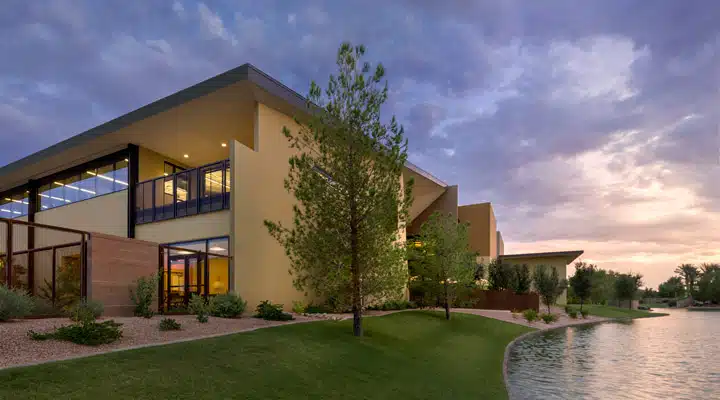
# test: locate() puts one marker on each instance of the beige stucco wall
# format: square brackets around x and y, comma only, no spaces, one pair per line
[483,228]
[559,263]
[190,228]
[104,214]
[152,164]
[446,203]
[260,264]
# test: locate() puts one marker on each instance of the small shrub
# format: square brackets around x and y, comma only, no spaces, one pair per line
[89,333]
[298,307]
[176,310]
[14,303]
[229,305]
[573,314]
[644,308]
[317,309]
[672,303]
[199,307]
[548,318]
[169,324]
[530,315]
[144,295]
[272,312]
[392,305]
[568,309]
[86,311]
[584,313]
[45,308]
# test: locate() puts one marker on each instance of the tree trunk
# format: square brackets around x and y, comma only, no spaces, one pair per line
[581,304]
[447,304]
[355,271]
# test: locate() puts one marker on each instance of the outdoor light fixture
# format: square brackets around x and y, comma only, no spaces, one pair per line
[224,145]
[186,156]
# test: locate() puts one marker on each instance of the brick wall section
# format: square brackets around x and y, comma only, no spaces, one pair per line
[114,265]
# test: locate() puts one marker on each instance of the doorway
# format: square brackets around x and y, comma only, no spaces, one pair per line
[186,275]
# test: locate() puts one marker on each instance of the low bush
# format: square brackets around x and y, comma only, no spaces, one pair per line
[644,308]
[530,315]
[272,312]
[573,314]
[584,313]
[144,295]
[86,311]
[176,311]
[568,309]
[298,307]
[548,318]
[45,308]
[169,324]
[317,309]
[200,308]
[672,303]
[229,305]
[14,303]
[391,305]
[88,333]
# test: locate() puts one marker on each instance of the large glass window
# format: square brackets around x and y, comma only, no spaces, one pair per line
[14,206]
[92,182]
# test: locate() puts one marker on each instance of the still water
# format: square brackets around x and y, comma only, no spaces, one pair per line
[673,357]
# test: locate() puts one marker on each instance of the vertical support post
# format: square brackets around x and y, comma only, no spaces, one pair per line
[161,275]
[83,267]
[32,209]
[133,178]
[54,275]
[8,257]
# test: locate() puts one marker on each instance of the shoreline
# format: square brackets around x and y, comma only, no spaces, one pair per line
[528,335]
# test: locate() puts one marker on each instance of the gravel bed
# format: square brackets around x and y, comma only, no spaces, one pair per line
[16,348]
[507,316]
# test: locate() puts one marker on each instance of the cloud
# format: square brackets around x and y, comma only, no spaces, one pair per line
[178,8]
[213,24]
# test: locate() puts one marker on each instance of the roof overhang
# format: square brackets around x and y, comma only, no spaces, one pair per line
[568,256]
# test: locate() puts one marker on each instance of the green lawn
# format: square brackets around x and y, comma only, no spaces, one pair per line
[408,355]
[615,312]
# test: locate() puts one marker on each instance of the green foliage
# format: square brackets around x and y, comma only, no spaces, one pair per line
[672,288]
[584,313]
[521,279]
[298,307]
[548,284]
[272,312]
[88,333]
[14,303]
[86,311]
[572,314]
[144,295]
[548,318]
[169,324]
[581,282]
[67,283]
[689,274]
[500,276]
[228,305]
[44,308]
[709,286]
[626,286]
[530,315]
[393,305]
[317,309]
[443,262]
[346,177]
[200,308]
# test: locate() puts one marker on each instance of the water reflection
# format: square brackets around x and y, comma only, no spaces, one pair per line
[674,357]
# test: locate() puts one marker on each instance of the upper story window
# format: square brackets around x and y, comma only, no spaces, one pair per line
[171,168]
[89,183]
[14,206]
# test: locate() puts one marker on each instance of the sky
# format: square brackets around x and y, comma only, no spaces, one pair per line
[589,125]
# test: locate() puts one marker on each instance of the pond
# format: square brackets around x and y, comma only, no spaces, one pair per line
[673,357]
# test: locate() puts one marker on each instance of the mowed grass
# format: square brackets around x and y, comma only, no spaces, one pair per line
[407,355]
[615,312]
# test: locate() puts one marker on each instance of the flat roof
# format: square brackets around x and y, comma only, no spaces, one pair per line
[571,255]
[12,174]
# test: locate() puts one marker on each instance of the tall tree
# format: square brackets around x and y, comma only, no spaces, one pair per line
[673,287]
[709,286]
[500,275]
[548,284]
[346,176]
[581,282]
[626,287]
[444,260]
[521,280]
[689,273]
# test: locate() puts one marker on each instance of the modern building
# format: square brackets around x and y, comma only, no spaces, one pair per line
[197,172]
